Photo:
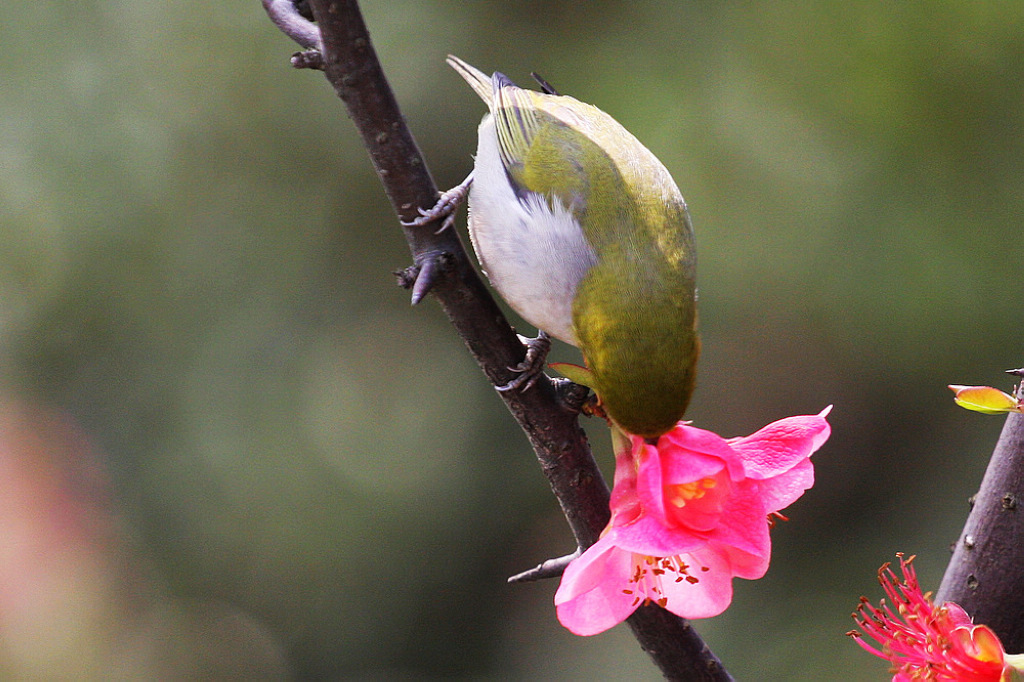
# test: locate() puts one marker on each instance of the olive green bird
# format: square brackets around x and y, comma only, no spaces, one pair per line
[585,234]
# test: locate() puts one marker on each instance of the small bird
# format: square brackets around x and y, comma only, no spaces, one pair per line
[585,234]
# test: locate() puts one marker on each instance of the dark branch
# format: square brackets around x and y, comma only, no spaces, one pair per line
[675,646]
[351,66]
[986,571]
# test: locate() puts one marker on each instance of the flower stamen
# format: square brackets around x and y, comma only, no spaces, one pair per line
[648,572]
[681,493]
[922,640]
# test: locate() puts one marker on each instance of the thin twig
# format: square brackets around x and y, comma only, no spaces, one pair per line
[552,568]
[351,66]
[287,18]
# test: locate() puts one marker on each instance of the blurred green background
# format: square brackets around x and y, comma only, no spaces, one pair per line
[229,447]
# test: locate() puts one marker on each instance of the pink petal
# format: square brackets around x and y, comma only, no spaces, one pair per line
[679,465]
[956,615]
[649,481]
[710,595]
[624,503]
[747,566]
[744,522]
[691,440]
[783,490]
[590,598]
[779,446]
[651,537]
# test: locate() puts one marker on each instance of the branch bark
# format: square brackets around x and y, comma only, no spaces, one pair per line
[986,573]
[440,264]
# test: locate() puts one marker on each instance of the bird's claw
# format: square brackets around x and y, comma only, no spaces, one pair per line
[532,365]
[445,207]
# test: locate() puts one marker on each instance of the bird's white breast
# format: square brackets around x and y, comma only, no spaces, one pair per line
[533,253]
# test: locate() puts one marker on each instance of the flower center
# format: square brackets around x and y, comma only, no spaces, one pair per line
[681,493]
[648,573]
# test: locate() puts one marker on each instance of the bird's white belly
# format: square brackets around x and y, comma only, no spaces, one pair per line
[533,254]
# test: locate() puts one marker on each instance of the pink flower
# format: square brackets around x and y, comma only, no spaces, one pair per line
[924,641]
[688,515]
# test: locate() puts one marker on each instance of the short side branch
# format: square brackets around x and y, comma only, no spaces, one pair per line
[552,568]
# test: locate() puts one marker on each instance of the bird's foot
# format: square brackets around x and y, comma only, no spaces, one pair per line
[447,203]
[532,365]
[574,398]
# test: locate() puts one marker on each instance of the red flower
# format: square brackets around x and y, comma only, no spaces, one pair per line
[688,515]
[924,641]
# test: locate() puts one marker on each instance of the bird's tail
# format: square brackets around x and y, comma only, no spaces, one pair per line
[477,79]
